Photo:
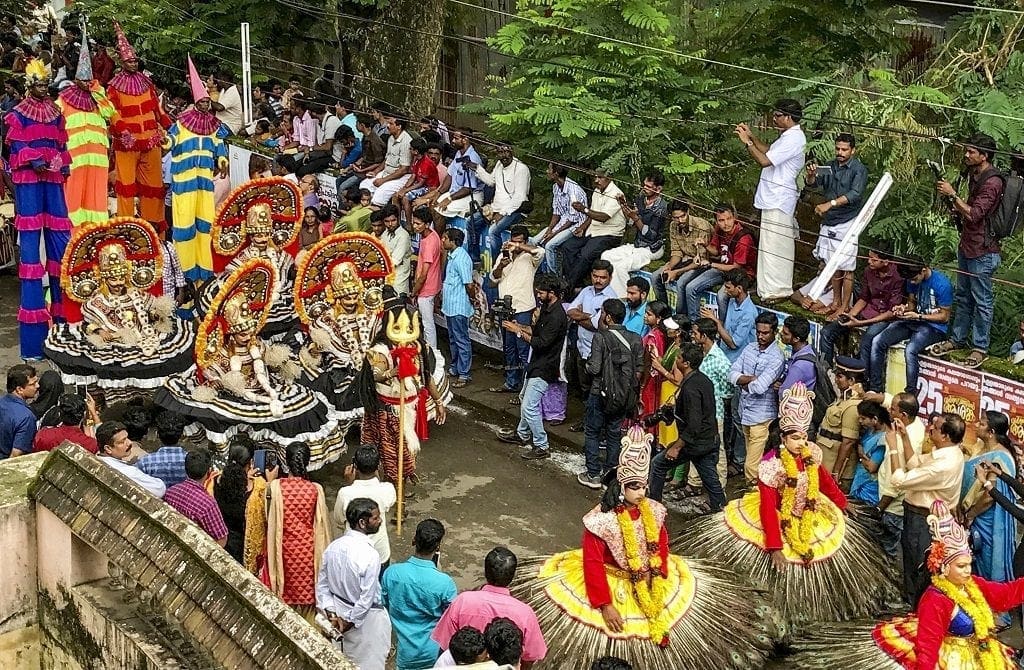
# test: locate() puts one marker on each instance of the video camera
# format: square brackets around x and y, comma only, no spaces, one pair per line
[502,310]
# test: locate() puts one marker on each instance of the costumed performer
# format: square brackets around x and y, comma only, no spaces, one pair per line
[39,164]
[623,594]
[260,219]
[243,384]
[403,371]
[89,118]
[791,536]
[121,333]
[198,153]
[338,296]
[953,627]
[137,155]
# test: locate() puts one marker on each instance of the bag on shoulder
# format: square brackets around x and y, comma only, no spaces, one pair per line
[619,394]
[824,390]
[1005,219]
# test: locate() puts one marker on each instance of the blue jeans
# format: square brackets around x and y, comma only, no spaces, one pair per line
[919,335]
[531,419]
[973,299]
[739,443]
[475,225]
[835,330]
[660,288]
[460,344]
[462,223]
[343,184]
[705,464]
[517,352]
[495,230]
[551,256]
[599,428]
[705,280]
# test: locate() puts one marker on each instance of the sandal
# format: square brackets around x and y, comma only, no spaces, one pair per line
[501,389]
[515,401]
[942,348]
[975,359]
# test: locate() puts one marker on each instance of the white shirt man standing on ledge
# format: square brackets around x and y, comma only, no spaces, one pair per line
[776,197]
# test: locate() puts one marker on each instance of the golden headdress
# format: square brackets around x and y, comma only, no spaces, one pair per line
[342,265]
[122,247]
[635,457]
[949,539]
[795,409]
[242,304]
[272,206]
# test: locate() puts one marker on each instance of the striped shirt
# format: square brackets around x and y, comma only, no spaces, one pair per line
[458,273]
[166,464]
[715,367]
[562,199]
[173,276]
[759,403]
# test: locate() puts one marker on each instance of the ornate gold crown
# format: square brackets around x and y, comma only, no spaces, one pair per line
[258,221]
[345,280]
[795,409]
[635,457]
[239,314]
[112,262]
[403,329]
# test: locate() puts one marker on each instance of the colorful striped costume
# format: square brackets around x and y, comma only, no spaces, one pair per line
[137,153]
[39,165]
[87,116]
[196,143]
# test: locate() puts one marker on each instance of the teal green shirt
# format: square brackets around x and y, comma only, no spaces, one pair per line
[416,594]
[716,366]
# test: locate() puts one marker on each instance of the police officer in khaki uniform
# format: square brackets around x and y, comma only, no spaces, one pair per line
[840,429]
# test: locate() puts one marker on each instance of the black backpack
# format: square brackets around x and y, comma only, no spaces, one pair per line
[1005,219]
[824,390]
[619,394]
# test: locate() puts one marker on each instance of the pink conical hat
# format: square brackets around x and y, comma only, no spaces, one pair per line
[124,49]
[195,82]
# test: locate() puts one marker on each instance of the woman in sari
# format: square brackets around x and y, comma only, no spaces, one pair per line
[665,367]
[992,528]
[241,493]
[297,533]
[654,343]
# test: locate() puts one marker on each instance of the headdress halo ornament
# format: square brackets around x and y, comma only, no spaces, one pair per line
[796,409]
[327,271]
[121,246]
[242,303]
[635,457]
[272,205]
[949,539]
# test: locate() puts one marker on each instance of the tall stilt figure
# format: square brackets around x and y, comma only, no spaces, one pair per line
[137,157]
[39,167]
[88,114]
[198,153]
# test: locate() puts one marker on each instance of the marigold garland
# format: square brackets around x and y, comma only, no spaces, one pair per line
[648,584]
[798,535]
[974,605]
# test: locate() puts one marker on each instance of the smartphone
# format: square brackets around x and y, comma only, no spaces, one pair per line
[263,460]
[83,391]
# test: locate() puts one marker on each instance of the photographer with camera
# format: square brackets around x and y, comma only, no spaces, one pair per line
[513,273]
[698,442]
[978,254]
[842,181]
[547,339]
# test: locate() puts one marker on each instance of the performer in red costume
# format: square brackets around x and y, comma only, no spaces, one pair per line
[952,629]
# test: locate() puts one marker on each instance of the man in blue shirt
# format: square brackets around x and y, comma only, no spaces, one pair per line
[168,462]
[416,593]
[456,290]
[637,289]
[17,422]
[585,312]
[754,373]
[923,321]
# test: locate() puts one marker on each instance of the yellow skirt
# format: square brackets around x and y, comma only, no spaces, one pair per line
[743,517]
[667,433]
[569,592]
[897,637]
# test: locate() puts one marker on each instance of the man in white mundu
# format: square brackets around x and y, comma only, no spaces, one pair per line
[776,197]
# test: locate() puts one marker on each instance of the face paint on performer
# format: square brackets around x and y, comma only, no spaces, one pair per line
[633,493]
[794,442]
[261,240]
[959,571]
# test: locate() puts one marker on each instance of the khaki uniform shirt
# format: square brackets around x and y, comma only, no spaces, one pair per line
[691,242]
[840,422]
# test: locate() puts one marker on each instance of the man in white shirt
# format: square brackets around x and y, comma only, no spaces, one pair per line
[397,165]
[602,230]
[514,270]
[399,245]
[511,182]
[776,197]
[114,450]
[348,588]
[925,479]
[229,104]
[903,409]
[362,482]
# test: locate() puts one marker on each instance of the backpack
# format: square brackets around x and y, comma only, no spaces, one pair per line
[1006,218]
[824,390]
[619,394]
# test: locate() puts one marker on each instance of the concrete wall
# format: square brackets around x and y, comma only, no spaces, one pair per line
[19,630]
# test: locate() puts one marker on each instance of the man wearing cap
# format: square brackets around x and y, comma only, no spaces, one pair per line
[978,252]
[87,115]
[602,230]
[137,154]
[840,427]
[198,153]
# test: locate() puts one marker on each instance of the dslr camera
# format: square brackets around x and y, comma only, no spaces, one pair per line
[502,310]
[664,414]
